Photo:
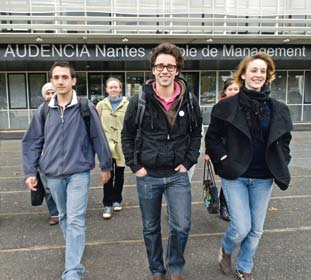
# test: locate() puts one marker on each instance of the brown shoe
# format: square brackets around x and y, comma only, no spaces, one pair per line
[158,277]
[53,221]
[177,277]
[224,261]
[243,275]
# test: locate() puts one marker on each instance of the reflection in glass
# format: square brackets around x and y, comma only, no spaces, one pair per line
[307,89]
[134,82]
[208,88]
[295,87]
[36,82]
[18,119]
[17,91]
[206,114]
[307,112]
[295,112]
[193,82]
[278,86]
[80,87]
[4,120]
[3,96]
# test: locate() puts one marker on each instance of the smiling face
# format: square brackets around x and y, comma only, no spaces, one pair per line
[255,75]
[62,80]
[113,88]
[164,78]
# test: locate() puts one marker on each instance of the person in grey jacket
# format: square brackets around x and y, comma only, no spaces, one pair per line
[61,147]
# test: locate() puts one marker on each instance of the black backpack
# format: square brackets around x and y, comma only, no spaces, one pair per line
[141,106]
[84,110]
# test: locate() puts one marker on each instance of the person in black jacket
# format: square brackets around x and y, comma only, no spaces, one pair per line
[168,146]
[248,141]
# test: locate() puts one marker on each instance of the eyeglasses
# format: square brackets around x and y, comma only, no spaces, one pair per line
[169,67]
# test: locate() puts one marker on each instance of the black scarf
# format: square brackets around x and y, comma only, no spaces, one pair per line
[252,103]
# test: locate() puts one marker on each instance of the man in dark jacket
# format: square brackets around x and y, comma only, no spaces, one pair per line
[63,148]
[167,146]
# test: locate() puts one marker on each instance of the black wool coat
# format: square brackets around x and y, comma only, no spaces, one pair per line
[228,134]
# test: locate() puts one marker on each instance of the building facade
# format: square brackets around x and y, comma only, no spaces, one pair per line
[114,38]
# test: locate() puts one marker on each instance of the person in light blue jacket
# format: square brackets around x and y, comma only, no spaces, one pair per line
[63,149]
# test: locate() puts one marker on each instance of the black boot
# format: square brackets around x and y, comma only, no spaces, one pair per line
[223,212]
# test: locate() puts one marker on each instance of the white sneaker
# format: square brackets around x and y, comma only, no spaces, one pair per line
[117,206]
[107,212]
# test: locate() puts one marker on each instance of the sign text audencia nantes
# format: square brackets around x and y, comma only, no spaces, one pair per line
[88,52]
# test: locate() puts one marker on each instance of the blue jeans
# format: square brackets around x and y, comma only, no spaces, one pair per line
[71,197]
[247,200]
[50,203]
[177,191]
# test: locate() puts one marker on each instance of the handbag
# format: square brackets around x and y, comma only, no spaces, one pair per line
[210,191]
[37,196]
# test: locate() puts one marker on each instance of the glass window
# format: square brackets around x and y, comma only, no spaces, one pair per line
[134,82]
[295,87]
[307,112]
[18,119]
[278,86]
[307,87]
[80,87]
[206,114]
[36,82]
[4,120]
[3,96]
[208,88]
[193,82]
[17,91]
[295,112]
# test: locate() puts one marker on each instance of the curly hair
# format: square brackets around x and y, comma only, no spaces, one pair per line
[237,76]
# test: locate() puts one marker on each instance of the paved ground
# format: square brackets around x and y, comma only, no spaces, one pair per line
[30,249]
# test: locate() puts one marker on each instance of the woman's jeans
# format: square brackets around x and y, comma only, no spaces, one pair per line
[177,191]
[113,188]
[48,197]
[247,200]
[71,197]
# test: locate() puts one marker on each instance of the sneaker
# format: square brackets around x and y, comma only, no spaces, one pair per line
[243,275]
[107,212]
[117,206]
[224,261]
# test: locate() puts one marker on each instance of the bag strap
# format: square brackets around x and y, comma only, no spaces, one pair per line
[211,172]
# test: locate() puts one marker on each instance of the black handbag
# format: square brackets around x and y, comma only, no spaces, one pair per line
[210,192]
[37,196]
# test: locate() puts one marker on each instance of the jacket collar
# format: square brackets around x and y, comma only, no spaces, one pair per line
[108,104]
[74,100]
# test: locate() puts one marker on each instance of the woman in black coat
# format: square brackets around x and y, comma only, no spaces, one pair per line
[248,142]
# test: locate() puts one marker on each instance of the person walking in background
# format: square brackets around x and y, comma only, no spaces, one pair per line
[160,155]
[47,93]
[63,145]
[230,88]
[248,142]
[111,111]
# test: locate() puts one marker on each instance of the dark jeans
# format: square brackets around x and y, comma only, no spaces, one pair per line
[113,188]
[177,191]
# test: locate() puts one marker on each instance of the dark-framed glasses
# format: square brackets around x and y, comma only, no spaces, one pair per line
[169,67]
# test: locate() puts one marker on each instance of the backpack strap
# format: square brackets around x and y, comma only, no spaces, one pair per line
[141,106]
[190,109]
[44,113]
[86,114]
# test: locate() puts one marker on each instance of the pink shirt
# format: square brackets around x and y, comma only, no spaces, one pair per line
[167,102]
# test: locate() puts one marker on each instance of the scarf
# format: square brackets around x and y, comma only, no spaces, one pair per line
[115,102]
[253,104]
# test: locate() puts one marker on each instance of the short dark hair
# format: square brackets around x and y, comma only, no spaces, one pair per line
[63,64]
[167,48]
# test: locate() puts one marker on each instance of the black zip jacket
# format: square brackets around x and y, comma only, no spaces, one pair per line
[163,146]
